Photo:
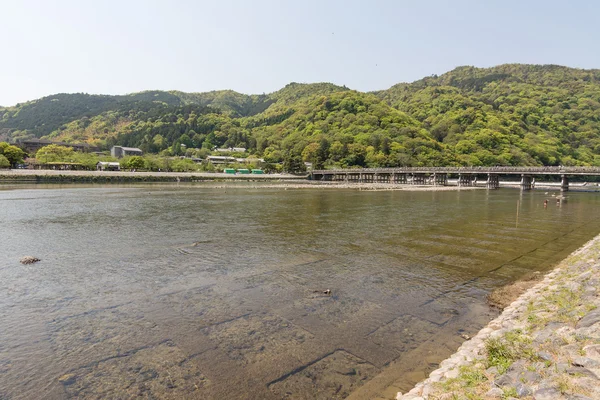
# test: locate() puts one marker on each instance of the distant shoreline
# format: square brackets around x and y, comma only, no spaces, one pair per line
[50,176]
[213,180]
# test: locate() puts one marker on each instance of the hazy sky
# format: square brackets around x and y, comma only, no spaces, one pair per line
[258,46]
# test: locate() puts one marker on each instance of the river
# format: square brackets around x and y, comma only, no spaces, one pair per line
[189,291]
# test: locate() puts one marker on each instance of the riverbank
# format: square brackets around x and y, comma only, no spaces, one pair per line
[341,185]
[50,176]
[544,346]
[219,180]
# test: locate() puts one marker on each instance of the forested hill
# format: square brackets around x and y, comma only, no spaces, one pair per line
[506,115]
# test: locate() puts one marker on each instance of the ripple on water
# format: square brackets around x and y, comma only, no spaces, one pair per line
[191,292]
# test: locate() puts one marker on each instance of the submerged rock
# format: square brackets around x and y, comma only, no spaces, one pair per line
[67,379]
[29,260]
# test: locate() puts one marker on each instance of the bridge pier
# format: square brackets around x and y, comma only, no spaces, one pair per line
[419,179]
[526,183]
[564,183]
[384,177]
[465,180]
[400,178]
[493,181]
[440,179]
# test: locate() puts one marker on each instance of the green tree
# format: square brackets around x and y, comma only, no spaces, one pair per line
[159,141]
[293,164]
[135,162]
[55,153]
[14,154]
[322,154]
[184,165]
[4,163]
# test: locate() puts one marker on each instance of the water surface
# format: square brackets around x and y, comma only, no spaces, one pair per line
[187,291]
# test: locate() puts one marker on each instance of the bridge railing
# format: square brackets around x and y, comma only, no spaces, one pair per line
[499,170]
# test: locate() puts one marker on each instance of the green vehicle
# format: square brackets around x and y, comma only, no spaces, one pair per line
[243,171]
[229,171]
[257,171]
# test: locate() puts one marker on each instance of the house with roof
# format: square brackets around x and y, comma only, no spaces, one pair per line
[108,166]
[120,151]
[33,145]
[220,159]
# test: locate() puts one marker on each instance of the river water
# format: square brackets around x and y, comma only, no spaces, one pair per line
[190,291]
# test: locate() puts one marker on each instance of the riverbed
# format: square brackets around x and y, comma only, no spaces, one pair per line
[190,291]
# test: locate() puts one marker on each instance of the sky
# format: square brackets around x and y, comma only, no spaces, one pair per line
[259,46]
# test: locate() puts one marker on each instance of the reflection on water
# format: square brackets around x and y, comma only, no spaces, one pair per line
[190,292]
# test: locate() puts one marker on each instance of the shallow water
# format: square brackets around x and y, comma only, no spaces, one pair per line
[170,291]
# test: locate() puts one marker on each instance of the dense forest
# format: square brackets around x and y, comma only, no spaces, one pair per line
[506,115]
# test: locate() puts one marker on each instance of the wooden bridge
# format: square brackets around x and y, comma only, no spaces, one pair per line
[466,176]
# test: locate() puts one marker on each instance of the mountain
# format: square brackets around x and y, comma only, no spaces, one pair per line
[512,114]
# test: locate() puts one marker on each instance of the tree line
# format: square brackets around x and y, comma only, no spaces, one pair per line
[512,114]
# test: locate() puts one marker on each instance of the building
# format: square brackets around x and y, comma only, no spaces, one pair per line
[249,160]
[108,166]
[33,145]
[232,150]
[221,159]
[120,151]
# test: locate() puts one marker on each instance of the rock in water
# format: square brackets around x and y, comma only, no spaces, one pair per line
[67,379]
[29,260]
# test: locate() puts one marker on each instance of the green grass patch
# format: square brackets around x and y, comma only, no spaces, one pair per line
[503,351]
[469,384]
[509,392]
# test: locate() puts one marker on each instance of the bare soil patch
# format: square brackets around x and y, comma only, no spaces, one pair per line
[503,296]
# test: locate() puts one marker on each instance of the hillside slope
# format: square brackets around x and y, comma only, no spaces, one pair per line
[510,114]
[506,115]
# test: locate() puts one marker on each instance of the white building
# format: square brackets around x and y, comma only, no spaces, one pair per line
[108,166]
[120,151]
[232,150]
[220,159]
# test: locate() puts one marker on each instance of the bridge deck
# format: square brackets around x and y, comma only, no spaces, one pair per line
[589,171]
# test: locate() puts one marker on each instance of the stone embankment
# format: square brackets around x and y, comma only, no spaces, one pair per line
[544,346]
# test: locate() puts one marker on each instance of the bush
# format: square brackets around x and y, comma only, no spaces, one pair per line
[184,165]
